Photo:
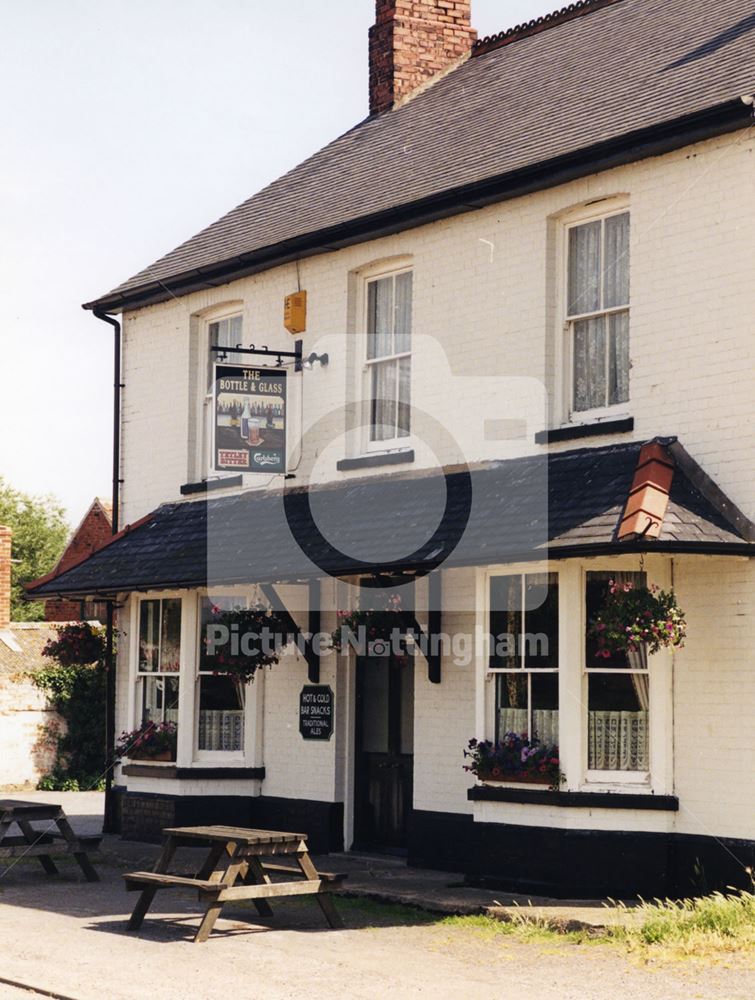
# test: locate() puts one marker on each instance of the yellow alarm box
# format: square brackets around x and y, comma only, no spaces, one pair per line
[295,312]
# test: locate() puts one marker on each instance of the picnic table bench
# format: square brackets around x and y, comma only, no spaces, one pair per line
[240,855]
[43,844]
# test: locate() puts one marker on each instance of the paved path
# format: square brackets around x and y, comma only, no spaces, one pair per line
[68,937]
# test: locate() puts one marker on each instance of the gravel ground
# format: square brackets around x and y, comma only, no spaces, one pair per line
[66,936]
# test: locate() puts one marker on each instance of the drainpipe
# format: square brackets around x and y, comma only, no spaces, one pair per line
[110,820]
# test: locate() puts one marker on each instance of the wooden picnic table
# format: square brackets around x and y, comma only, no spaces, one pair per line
[235,854]
[43,844]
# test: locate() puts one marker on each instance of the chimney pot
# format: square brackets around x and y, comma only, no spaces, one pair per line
[6,535]
[411,42]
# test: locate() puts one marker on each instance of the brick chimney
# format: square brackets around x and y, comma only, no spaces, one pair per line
[5,567]
[411,42]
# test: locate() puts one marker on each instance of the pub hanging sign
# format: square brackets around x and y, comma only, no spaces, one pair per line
[249,419]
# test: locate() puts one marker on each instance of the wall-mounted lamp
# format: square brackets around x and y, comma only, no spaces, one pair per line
[313,358]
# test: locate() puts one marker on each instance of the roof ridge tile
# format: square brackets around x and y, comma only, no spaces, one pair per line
[538,24]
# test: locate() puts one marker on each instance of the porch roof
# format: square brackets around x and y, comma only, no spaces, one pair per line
[536,507]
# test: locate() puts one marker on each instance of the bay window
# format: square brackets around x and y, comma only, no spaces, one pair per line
[597,312]
[159,660]
[618,692]
[524,657]
[388,358]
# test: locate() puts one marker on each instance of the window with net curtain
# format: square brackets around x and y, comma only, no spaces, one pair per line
[524,655]
[598,312]
[618,693]
[159,659]
[389,360]
[221,699]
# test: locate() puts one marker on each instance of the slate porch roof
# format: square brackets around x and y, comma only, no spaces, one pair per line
[511,114]
[541,506]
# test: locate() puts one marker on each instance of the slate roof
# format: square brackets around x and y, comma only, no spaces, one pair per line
[545,505]
[616,71]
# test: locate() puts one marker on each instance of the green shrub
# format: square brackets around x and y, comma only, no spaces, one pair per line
[77,693]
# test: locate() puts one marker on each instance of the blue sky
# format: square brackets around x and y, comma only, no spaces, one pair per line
[127,126]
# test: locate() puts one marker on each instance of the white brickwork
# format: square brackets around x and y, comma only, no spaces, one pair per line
[486,309]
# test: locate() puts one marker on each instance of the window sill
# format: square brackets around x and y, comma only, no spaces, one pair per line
[376,460]
[188,773]
[211,484]
[578,800]
[575,431]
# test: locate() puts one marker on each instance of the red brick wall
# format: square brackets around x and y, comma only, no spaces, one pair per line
[91,534]
[411,42]
[5,567]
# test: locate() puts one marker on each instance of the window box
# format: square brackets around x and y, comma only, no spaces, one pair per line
[165,755]
[518,779]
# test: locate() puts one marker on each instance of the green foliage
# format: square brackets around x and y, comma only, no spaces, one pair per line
[77,643]
[39,537]
[720,921]
[77,693]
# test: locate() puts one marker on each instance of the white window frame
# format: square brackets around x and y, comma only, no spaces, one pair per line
[247,750]
[188,686]
[572,674]
[607,776]
[395,443]
[206,437]
[521,669]
[136,676]
[605,209]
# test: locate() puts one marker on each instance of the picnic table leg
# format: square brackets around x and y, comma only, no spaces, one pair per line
[146,896]
[81,856]
[31,836]
[213,909]
[324,899]
[255,875]
[209,869]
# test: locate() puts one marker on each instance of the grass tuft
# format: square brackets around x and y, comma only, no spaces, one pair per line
[719,922]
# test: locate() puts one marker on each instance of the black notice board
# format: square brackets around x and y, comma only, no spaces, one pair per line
[316,712]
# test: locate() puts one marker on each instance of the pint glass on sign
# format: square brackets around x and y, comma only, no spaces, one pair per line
[254,430]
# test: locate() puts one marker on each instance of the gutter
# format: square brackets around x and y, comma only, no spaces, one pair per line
[640,144]
[110,823]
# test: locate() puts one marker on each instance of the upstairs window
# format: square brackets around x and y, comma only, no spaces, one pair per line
[597,319]
[389,360]
[225,332]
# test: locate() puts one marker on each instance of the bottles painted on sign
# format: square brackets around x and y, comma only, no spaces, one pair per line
[245,414]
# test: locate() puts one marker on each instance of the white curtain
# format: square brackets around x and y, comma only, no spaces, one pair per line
[221,729]
[618,741]
[544,723]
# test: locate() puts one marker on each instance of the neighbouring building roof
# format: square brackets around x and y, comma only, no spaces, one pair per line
[21,645]
[611,79]
[541,506]
[92,531]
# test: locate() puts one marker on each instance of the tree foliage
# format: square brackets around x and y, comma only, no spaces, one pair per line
[39,537]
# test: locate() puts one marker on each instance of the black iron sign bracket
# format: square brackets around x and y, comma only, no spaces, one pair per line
[297,354]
